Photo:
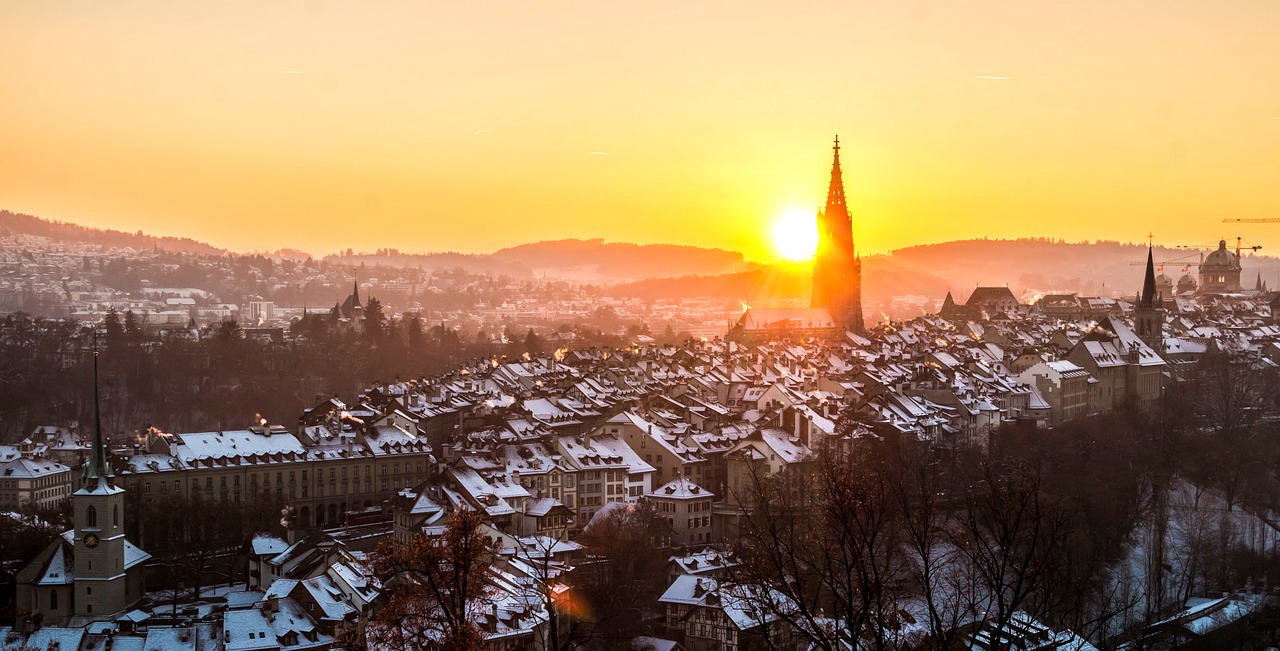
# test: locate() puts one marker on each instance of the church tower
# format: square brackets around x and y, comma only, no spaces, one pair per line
[1148,314]
[837,269]
[101,584]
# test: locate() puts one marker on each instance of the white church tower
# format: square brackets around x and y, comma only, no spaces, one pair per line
[90,572]
[101,583]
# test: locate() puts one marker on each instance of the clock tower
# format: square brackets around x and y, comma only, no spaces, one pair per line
[101,585]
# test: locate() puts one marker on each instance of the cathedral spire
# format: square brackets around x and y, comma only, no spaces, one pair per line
[835,192]
[837,270]
[97,467]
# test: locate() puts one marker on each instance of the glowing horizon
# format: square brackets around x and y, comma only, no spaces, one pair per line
[323,126]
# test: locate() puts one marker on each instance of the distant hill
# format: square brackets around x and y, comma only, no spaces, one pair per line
[621,260]
[653,271]
[12,223]
[591,261]
[477,263]
[1032,266]
[1043,265]
[882,278]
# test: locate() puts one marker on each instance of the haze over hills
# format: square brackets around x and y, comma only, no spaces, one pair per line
[593,261]
[12,224]
[679,271]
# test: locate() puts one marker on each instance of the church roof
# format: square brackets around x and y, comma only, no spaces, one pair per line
[784,318]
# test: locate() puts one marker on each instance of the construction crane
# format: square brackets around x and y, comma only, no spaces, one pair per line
[1255,248]
[1185,264]
[1247,220]
[1239,244]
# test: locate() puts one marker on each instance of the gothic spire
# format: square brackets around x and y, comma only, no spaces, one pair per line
[835,192]
[1148,296]
[97,467]
[355,291]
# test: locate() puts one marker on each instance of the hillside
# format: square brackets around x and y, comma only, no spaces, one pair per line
[654,271]
[621,260]
[882,276]
[477,263]
[1043,265]
[1032,266]
[12,223]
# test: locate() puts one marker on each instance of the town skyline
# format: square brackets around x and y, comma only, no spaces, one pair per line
[327,126]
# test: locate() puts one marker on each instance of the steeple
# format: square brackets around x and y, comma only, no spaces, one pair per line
[355,291]
[837,271]
[97,467]
[1148,314]
[836,207]
[1148,296]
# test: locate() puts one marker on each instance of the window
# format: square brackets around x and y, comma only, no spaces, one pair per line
[53,599]
[115,515]
[91,517]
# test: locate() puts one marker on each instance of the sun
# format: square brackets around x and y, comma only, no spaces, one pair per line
[795,235]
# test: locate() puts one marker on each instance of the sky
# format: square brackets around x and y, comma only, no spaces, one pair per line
[470,126]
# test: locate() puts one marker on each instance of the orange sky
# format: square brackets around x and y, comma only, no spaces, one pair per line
[470,126]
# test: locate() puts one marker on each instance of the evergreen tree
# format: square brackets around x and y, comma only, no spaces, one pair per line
[115,330]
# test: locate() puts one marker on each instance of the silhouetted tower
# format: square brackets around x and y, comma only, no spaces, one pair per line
[1148,314]
[837,269]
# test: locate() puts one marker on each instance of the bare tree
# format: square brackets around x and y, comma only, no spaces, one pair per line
[1010,536]
[434,584]
[945,586]
[619,580]
[567,625]
[826,535]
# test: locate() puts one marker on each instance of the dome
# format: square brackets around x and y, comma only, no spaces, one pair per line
[1187,279]
[1221,258]
[1163,280]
